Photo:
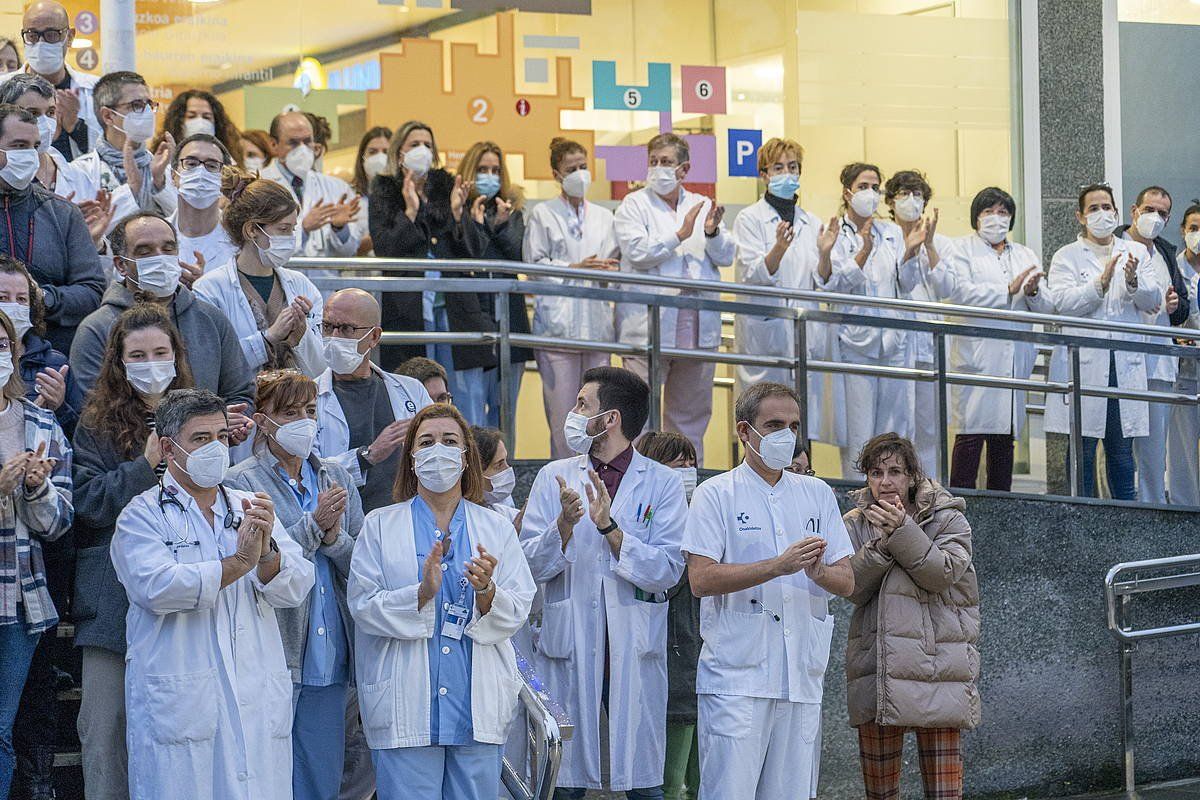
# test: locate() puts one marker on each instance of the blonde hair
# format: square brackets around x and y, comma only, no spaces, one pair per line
[774,150]
[470,165]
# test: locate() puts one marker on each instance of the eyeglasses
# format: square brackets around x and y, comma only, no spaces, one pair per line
[345,329]
[138,106]
[445,399]
[191,162]
[810,472]
[48,35]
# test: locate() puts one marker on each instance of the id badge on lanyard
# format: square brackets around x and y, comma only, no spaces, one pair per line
[457,614]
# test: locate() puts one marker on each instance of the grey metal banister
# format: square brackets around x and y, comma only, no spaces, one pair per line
[548,726]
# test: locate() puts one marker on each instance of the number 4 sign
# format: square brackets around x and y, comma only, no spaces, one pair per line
[702,89]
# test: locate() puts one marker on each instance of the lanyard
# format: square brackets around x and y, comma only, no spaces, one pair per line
[12,243]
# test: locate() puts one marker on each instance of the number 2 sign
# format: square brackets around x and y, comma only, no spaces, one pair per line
[479,109]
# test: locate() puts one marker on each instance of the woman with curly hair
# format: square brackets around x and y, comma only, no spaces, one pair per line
[197,111]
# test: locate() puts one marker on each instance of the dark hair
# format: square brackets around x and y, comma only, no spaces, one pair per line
[114,409]
[1194,208]
[620,390]
[1152,190]
[749,401]
[226,156]
[850,172]
[117,240]
[561,147]
[278,390]
[256,200]
[107,91]
[1095,187]
[181,405]
[989,197]
[23,82]
[322,130]
[422,369]
[885,445]
[37,306]
[405,487]
[261,140]
[10,110]
[487,442]
[360,183]
[909,179]
[7,42]
[225,131]
[666,446]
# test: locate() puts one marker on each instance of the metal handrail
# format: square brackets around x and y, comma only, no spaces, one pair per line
[1117,595]
[547,727]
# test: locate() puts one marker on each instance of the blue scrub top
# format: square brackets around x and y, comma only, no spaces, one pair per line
[327,648]
[449,659]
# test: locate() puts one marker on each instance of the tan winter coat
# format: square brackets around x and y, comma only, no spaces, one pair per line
[912,657]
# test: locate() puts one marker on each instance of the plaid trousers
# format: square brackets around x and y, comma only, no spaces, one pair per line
[880,747]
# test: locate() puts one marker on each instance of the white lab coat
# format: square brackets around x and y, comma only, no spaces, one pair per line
[592,594]
[556,236]
[981,278]
[208,694]
[84,83]
[929,286]
[391,634]
[645,228]
[324,242]
[408,396]
[1159,368]
[221,287]
[1074,282]
[754,232]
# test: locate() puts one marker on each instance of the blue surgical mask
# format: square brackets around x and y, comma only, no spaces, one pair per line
[487,184]
[784,186]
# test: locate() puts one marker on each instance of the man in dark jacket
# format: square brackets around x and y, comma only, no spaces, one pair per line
[45,232]
[1148,218]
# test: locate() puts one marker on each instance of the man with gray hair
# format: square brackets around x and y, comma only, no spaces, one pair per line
[207,689]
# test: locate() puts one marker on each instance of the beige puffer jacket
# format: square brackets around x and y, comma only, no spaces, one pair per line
[912,656]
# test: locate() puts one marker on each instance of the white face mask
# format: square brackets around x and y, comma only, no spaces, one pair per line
[300,160]
[575,431]
[1192,240]
[342,354]
[909,208]
[576,184]
[296,437]
[45,58]
[158,275]
[418,161]
[150,378]
[503,483]
[199,188]
[374,164]
[688,476]
[46,128]
[6,367]
[138,125]
[438,467]
[1101,223]
[776,448]
[993,228]
[662,180]
[21,167]
[19,314]
[864,202]
[1150,224]
[196,125]
[206,465]
[254,163]
[279,250]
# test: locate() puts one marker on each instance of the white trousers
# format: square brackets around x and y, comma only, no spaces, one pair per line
[874,406]
[1183,452]
[753,748]
[1150,452]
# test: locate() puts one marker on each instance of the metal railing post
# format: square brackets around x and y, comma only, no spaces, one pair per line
[943,405]
[1076,446]
[504,373]
[654,366]
[1126,656]
[800,375]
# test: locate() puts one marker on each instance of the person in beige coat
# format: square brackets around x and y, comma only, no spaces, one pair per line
[912,656]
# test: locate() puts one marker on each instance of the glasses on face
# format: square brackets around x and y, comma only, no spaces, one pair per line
[445,398]
[212,165]
[344,330]
[810,472]
[138,106]
[48,35]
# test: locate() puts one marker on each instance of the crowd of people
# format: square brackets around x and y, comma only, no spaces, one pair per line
[291,553]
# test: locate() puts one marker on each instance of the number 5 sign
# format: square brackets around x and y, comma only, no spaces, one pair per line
[703,89]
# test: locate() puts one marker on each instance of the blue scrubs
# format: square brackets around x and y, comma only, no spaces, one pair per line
[455,766]
[319,725]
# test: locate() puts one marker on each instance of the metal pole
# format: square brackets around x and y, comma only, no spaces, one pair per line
[654,370]
[118,24]
[504,369]
[1076,447]
[943,406]
[800,376]
[1127,700]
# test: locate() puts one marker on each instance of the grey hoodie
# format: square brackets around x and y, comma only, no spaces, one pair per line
[214,353]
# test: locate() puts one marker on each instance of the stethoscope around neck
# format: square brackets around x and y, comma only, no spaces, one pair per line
[166,498]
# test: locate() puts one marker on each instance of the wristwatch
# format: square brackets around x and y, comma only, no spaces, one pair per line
[363,452]
[271,555]
[609,528]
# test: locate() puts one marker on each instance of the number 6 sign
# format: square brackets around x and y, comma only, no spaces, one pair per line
[703,89]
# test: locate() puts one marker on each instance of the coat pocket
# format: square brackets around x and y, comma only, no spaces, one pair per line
[377,705]
[819,643]
[558,625]
[650,629]
[276,697]
[735,639]
[182,708]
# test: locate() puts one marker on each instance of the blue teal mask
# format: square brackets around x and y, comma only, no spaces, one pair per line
[784,186]
[487,184]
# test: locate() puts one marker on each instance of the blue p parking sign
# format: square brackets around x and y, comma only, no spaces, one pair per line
[743,152]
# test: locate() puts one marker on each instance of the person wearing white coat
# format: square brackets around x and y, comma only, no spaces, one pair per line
[765,550]
[860,254]
[992,272]
[569,231]
[666,230]
[363,412]
[275,311]
[777,246]
[328,206]
[606,573]
[1183,439]
[207,690]
[438,586]
[1104,277]
[200,161]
